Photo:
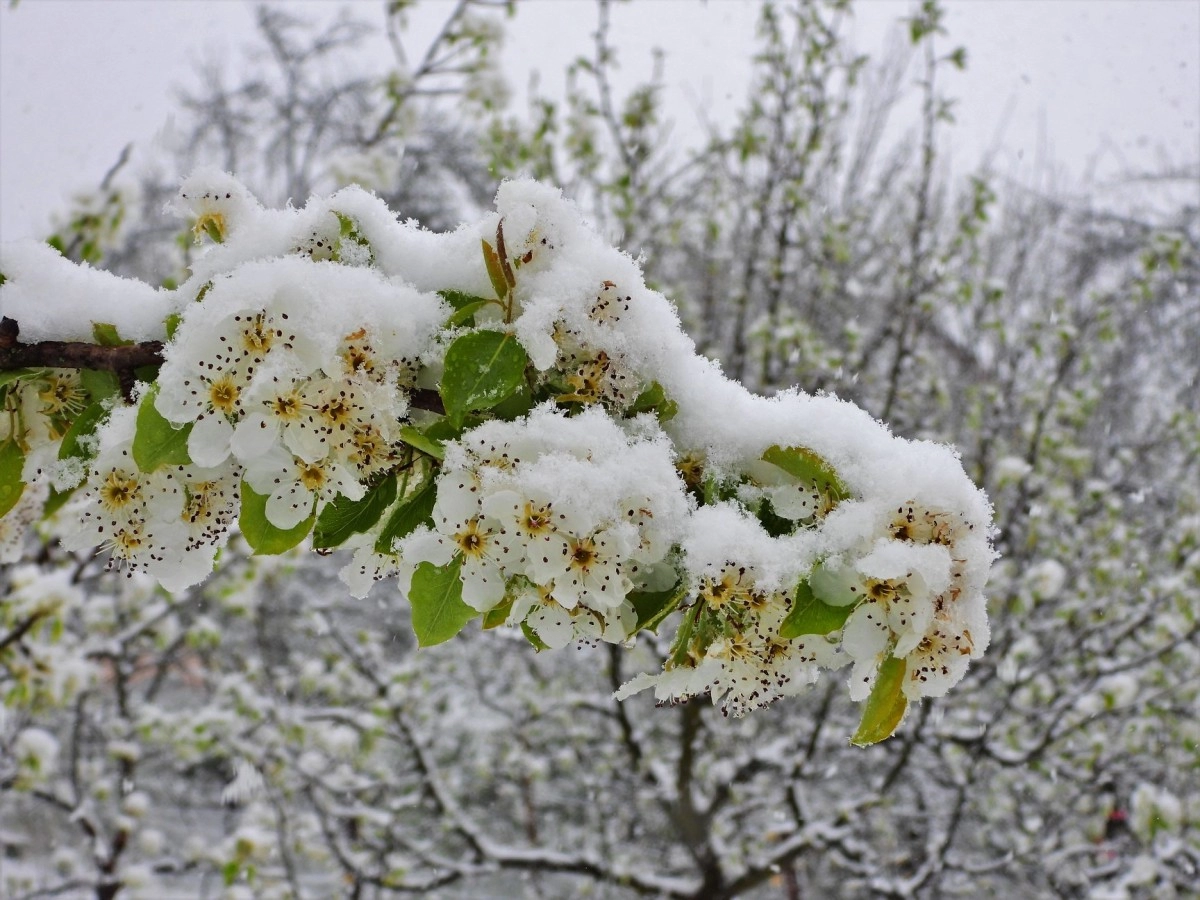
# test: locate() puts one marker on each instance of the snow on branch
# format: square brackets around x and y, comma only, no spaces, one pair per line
[507,420]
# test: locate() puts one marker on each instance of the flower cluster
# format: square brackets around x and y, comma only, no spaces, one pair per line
[311,408]
[560,519]
[730,647]
[169,522]
[581,472]
[910,594]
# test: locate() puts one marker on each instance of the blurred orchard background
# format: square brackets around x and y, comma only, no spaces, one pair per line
[826,211]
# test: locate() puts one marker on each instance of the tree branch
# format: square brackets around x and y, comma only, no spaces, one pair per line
[122,361]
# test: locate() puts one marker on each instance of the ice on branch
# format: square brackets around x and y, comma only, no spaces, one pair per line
[510,421]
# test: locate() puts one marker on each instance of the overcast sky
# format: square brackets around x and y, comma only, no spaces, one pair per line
[1103,85]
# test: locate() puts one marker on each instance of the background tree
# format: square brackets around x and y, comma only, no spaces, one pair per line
[266,736]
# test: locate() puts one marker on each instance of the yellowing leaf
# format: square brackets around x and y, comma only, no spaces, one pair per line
[12,462]
[885,707]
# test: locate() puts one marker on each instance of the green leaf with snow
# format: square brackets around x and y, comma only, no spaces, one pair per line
[105,334]
[344,517]
[809,468]
[654,399]
[809,615]
[682,646]
[157,442]
[459,300]
[465,306]
[350,235]
[516,405]
[264,538]
[466,315]
[12,462]
[886,705]
[438,610]
[74,443]
[481,369]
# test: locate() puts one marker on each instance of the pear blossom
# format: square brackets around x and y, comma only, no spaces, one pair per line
[295,487]
[732,648]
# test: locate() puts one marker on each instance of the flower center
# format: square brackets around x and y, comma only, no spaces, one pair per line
[312,476]
[337,411]
[536,519]
[286,407]
[223,394]
[61,395]
[199,503]
[583,554]
[118,490]
[257,338]
[470,541]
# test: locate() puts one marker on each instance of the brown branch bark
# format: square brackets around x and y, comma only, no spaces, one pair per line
[73,354]
[122,361]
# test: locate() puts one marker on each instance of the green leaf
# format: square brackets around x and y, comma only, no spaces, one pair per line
[654,399]
[803,464]
[459,300]
[497,615]
[430,446]
[85,424]
[481,369]
[12,461]
[157,442]
[812,616]
[886,705]
[13,374]
[106,335]
[171,323]
[438,611]
[466,315]
[441,430]
[348,232]
[530,635]
[516,405]
[495,270]
[263,537]
[56,501]
[465,306]
[773,524]
[344,517]
[654,606]
[99,384]
[414,510]
[147,374]
[682,644]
